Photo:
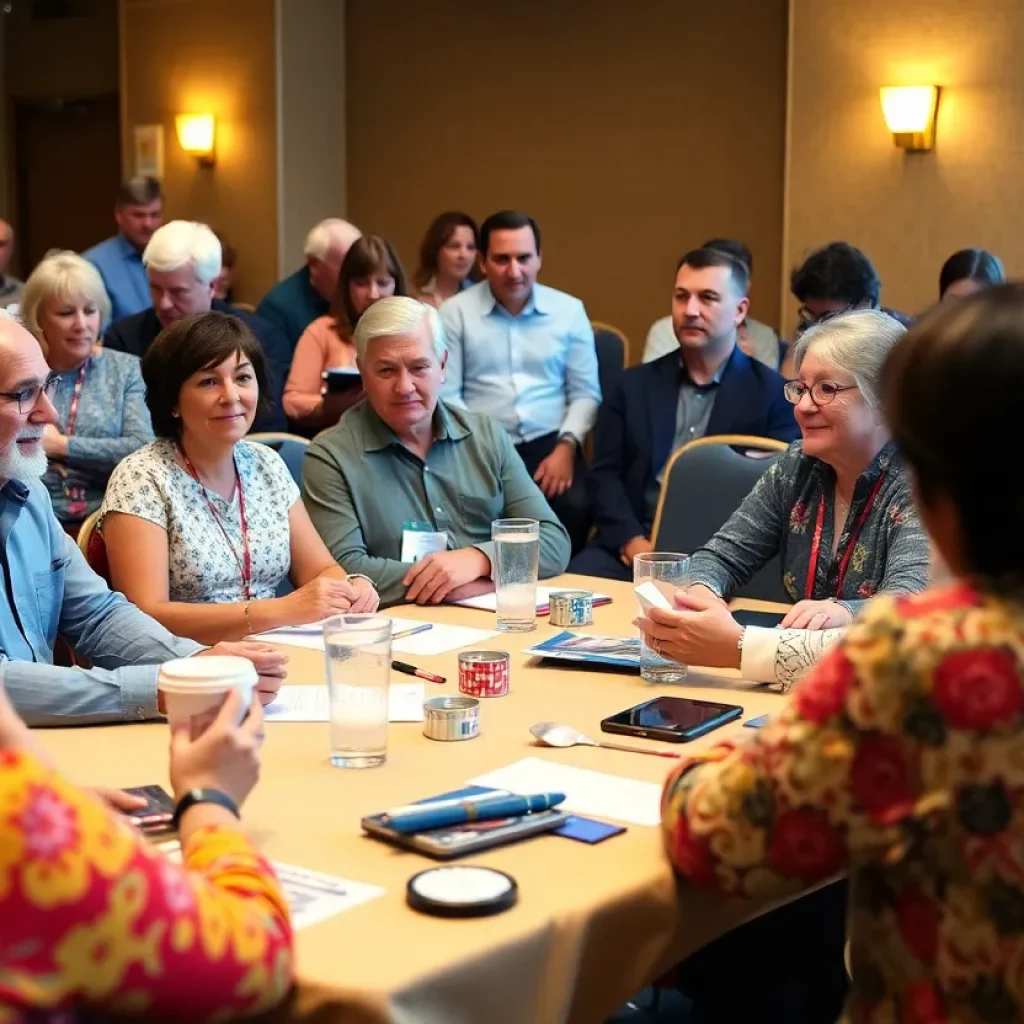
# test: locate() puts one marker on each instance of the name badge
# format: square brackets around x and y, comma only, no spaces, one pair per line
[420,540]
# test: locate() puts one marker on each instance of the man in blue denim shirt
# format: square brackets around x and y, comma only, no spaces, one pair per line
[48,588]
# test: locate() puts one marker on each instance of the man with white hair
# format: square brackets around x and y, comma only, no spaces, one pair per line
[294,303]
[10,287]
[49,588]
[404,475]
[182,261]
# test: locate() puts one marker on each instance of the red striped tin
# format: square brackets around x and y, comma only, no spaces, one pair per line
[483,673]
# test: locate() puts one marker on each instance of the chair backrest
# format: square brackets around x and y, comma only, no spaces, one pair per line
[290,447]
[91,544]
[704,483]
[612,350]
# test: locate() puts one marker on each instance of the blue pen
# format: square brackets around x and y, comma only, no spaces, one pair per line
[440,813]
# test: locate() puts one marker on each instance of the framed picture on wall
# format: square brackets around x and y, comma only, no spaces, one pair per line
[148,142]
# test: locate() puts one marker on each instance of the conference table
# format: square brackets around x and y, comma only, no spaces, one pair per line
[593,923]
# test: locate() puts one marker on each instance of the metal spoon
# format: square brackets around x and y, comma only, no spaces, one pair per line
[552,734]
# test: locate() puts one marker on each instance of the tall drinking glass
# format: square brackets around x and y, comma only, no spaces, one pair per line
[358,655]
[664,567]
[516,559]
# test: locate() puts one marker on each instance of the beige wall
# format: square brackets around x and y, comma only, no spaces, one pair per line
[847,180]
[631,133]
[197,55]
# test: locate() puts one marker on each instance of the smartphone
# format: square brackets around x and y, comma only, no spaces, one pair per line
[676,719]
[767,619]
[155,818]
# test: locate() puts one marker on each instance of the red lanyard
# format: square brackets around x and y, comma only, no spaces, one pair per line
[245,562]
[812,568]
[75,396]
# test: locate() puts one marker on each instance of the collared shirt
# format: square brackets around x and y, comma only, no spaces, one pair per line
[49,589]
[124,276]
[10,291]
[535,373]
[763,341]
[360,484]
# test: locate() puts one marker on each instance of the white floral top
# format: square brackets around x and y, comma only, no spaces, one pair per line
[152,485]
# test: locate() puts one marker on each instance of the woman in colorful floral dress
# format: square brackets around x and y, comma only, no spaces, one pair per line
[900,758]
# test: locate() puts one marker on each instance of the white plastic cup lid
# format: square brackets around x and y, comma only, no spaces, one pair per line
[214,674]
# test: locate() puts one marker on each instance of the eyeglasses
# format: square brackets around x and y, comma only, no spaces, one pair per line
[822,392]
[28,397]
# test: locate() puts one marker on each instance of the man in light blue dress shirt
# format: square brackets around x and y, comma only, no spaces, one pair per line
[524,354]
[47,587]
[138,211]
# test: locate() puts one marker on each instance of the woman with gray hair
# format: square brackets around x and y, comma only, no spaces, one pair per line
[836,506]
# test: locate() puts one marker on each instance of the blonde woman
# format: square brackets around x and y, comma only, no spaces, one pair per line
[100,398]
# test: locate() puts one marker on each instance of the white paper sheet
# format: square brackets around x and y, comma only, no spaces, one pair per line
[489,602]
[310,704]
[586,792]
[312,896]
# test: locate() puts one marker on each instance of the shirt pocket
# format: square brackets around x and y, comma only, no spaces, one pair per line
[48,594]
[478,513]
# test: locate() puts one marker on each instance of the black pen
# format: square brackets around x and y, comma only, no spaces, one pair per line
[420,673]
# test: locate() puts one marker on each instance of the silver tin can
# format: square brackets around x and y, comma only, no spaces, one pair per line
[571,608]
[451,718]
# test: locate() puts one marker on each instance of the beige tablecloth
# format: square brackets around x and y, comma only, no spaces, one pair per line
[593,923]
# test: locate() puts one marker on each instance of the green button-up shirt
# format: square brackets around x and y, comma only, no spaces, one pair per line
[360,484]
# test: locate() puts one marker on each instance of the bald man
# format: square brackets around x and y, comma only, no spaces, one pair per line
[10,287]
[294,303]
[48,588]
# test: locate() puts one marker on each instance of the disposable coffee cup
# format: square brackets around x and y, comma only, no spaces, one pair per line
[195,688]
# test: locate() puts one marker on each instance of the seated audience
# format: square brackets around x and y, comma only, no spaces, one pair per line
[10,286]
[100,398]
[706,386]
[899,758]
[202,526]
[757,340]
[837,507]
[524,354]
[182,263]
[370,271]
[969,271]
[294,303]
[224,284]
[447,256]
[53,590]
[93,919]
[138,212]
[405,457]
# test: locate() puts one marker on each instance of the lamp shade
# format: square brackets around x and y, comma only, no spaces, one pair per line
[909,112]
[196,134]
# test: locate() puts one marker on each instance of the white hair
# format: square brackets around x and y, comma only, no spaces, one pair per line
[65,275]
[858,342]
[181,242]
[328,233]
[396,315]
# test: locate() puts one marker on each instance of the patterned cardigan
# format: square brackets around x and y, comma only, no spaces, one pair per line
[780,514]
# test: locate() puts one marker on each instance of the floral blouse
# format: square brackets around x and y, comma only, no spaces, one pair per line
[899,758]
[152,485]
[780,515]
[92,915]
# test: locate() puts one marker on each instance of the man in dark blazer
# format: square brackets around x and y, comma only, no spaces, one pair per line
[182,261]
[708,387]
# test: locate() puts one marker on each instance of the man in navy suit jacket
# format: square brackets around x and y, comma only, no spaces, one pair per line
[708,387]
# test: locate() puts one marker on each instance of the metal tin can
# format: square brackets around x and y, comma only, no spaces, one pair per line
[571,608]
[451,718]
[483,673]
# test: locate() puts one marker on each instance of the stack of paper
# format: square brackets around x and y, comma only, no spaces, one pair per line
[310,704]
[489,602]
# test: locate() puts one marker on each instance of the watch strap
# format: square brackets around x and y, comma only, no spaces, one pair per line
[192,797]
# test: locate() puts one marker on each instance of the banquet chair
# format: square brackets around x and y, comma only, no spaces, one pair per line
[290,447]
[704,483]
[612,355]
[90,543]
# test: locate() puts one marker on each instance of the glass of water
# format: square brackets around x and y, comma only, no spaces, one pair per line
[358,655]
[665,567]
[516,558]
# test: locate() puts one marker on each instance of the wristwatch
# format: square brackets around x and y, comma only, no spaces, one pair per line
[202,796]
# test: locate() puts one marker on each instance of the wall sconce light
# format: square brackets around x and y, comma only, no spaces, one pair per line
[910,114]
[196,136]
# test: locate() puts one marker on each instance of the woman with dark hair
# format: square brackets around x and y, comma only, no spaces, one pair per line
[900,758]
[201,525]
[447,258]
[969,271]
[370,271]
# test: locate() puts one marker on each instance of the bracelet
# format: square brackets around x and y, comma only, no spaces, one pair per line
[739,642]
[360,576]
[202,796]
[248,618]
